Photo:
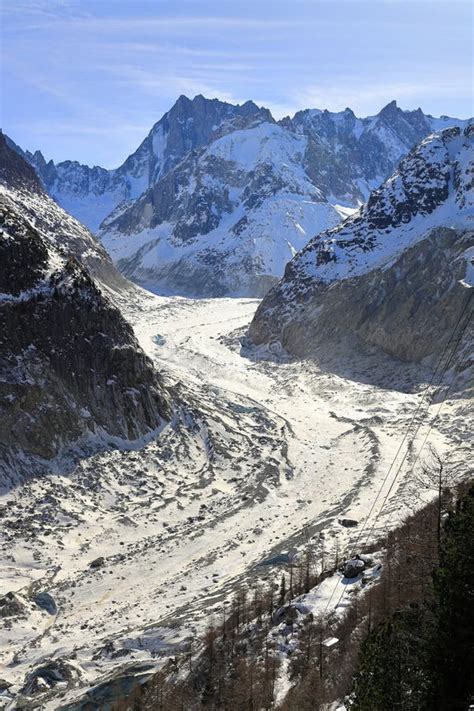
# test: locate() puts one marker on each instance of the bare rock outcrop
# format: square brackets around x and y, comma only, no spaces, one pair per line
[398,275]
[70,365]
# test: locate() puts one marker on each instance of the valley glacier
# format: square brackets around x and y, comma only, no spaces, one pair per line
[263,453]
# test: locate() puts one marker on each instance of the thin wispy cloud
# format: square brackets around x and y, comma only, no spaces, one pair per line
[85,77]
[340,97]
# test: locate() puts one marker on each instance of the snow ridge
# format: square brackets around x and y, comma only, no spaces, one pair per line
[218,198]
[432,187]
[393,275]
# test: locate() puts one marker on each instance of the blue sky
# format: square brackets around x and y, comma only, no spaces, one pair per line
[86,79]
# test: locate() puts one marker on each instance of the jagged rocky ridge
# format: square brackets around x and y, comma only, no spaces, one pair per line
[348,156]
[229,216]
[225,220]
[60,229]
[70,366]
[396,274]
[90,194]
[218,198]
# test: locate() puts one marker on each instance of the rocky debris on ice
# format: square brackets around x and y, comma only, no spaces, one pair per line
[13,605]
[348,522]
[50,674]
[97,562]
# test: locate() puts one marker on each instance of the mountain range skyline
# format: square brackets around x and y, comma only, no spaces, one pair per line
[217,198]
[317,109]
[95,76]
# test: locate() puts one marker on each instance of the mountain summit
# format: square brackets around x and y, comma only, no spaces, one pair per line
[71,369]
[218,198]
[90,194]
[395,274]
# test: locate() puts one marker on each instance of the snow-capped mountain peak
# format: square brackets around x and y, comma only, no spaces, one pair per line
[230,215]
[90,194]
[382,273]
[217,198]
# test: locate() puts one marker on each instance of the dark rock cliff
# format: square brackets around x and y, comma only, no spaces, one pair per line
[70,365]
[397,275]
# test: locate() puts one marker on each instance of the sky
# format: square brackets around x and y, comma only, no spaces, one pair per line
[86,79]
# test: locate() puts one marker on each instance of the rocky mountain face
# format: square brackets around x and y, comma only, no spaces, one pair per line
[225,220]
[70,367]
[90,194]
[26,192]
[396,274]
[348,156]
[218,198]
[229,216]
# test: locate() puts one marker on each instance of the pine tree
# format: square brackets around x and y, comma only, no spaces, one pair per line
[392,666]
[282,596]
[452,642]
[422,657]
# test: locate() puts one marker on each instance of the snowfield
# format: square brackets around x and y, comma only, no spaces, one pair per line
[263,454]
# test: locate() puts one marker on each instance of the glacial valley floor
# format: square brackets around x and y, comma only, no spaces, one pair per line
[262,455]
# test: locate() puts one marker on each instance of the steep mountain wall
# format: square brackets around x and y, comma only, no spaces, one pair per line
[218,198]
[70,366]
[90,194]
[397,274]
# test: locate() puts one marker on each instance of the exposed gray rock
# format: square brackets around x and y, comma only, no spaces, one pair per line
[97,562]
[348,522]
[393,276]
[289,613]
[13,605]
[70,365]
[353,568]
[114,689]
[48,675]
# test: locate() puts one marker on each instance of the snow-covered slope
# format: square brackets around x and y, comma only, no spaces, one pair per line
[392,274]
[70,366]
[218,198]
[90,194]
[225,220]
